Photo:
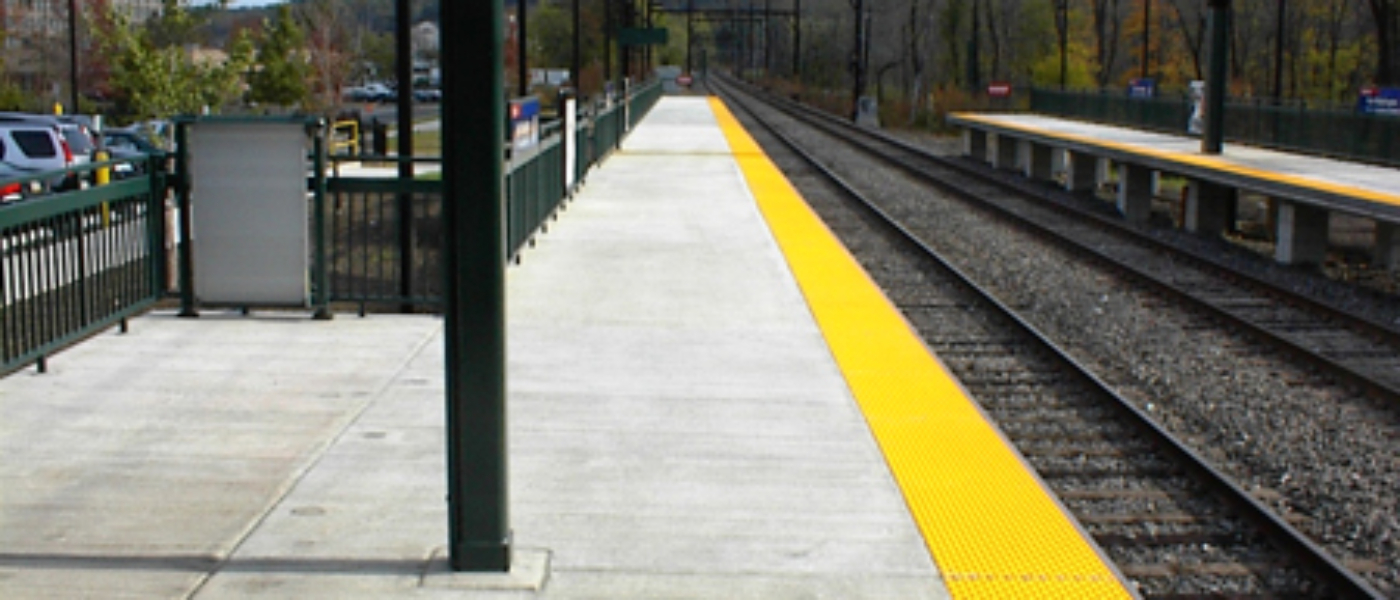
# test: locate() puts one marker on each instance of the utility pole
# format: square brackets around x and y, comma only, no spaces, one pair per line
[797,40]
[858,59]
[521,43]
[1146,35]
[1278,52]
[73,54]
[607,42]
[973,75]
[576,64]
[1062,24]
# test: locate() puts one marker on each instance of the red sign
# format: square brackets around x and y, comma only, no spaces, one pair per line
[999,89]
[683,80]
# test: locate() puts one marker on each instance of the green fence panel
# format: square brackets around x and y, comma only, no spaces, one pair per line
[78,262]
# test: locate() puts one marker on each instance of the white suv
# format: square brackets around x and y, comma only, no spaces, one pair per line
[33,144]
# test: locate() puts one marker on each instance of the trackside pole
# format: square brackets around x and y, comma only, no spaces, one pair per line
[1212,139]
[473,118]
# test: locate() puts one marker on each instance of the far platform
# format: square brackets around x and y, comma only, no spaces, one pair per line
[1308,187]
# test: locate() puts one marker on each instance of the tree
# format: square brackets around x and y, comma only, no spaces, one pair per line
[281,71]
[151,80]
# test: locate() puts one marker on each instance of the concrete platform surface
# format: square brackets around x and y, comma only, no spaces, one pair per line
[678,429]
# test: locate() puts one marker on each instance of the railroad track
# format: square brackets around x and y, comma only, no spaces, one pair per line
[1350,348]
[1174,524]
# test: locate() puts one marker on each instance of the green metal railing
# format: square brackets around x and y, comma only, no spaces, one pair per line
[382,238]
[1347,135]
[534,190]
[641,102]
[78,262]
[374,257]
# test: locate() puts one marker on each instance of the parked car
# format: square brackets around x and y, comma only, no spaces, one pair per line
[371,92]
[15,184]
[427,95]
[128,143]
[35,144]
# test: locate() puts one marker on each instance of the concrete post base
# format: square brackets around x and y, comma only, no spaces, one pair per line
[1083,173]
[1208,207]
[1302,234]
[1036,160]
[1007,148]
[1387,249]
[1134,193]
[975,144]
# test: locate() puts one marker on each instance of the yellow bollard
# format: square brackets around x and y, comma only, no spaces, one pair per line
[104,174]
[103,177]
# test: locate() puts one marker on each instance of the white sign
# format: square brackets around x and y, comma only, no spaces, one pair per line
[249,211]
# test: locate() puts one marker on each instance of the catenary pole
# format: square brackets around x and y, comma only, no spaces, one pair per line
[1212,140]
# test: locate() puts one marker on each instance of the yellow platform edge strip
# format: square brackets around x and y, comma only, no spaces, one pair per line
[988,524]
[1198,160]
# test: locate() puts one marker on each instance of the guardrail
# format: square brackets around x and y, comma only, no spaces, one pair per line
[78,262]
[1346,135]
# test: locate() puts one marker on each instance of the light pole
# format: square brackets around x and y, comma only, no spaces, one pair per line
[73,53]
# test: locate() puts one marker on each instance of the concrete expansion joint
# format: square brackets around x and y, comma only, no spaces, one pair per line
[529,570]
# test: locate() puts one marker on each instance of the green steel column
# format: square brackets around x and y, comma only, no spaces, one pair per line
[403,203]
[473,118]
[318,203]
[186,225]
[1212,140]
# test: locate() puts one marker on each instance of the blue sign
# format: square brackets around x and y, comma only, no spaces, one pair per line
[1379,101]
[525,122]
[1145,87]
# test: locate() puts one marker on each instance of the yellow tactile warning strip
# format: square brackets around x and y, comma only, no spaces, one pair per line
[1196,160]
[990,526]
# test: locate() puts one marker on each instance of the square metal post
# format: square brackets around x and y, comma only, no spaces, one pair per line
[473,119]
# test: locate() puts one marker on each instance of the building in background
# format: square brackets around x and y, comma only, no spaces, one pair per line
[35,53]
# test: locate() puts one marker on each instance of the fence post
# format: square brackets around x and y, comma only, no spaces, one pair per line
[321,272]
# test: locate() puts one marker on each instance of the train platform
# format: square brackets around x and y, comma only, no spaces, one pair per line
[1308,189]
[707,399]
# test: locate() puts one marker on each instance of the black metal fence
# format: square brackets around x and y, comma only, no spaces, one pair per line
[1340,134]
[77,262]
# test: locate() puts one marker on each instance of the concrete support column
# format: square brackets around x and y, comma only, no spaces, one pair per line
[1059,162]
[1302,234]
[1134,192]
[1006,152]
[1208,207]
[1103,171]
[1083,173]
[975,144]
[1387,250]
[1036,160]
